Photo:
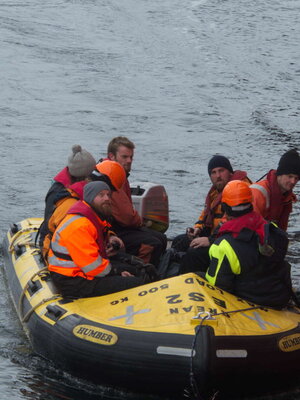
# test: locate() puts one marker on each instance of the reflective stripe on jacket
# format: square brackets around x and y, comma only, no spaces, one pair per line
[270,202]
[247,259]
[221,254]
[75,250]
[62,206]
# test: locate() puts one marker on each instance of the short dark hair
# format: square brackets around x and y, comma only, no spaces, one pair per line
[118,141]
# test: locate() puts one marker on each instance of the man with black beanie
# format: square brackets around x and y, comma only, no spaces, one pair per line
[197,240]
[273,195]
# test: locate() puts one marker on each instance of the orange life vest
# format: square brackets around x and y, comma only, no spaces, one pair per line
[78,244]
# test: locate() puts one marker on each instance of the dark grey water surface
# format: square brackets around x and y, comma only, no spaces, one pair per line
[183,79]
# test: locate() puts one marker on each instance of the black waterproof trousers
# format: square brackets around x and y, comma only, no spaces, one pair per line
[77,287]
[144,243]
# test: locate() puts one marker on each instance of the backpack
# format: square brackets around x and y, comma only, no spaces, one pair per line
[169,264]
[126,262]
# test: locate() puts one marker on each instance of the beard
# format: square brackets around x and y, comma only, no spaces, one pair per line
[103,210]
[219,185]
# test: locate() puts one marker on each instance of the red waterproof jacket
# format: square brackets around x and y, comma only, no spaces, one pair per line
[270,202]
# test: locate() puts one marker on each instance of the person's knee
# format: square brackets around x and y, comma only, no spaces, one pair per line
[181,242]
[194,260]
[134,281]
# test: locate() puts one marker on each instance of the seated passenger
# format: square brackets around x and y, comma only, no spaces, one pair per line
[198,239]
[80,165]
[247,257]
[108,171]
[142,242]
[273,195]
[82,245]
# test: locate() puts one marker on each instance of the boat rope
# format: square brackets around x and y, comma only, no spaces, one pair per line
[211,316]
[203,316]
[193,383]
[31,311]
[24,240]
[42,272]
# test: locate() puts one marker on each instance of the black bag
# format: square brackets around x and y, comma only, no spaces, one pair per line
[127,262]
[169,264]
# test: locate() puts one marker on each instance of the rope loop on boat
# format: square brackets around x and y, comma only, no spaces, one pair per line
[204,315]
[31,311]
[24,240]
[42,272]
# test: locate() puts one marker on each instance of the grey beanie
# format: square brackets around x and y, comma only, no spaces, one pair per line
[80,163]
[91,190]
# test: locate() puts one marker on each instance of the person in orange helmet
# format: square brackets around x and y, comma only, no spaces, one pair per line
[81,247]
[194,245]
[110,172]
[247,257]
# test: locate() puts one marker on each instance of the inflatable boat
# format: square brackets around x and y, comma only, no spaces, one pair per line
[168,336]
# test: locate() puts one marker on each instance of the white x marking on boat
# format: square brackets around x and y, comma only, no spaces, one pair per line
[130,314]
[262,323]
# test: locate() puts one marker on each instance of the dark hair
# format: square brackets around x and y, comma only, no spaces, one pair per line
[118,141]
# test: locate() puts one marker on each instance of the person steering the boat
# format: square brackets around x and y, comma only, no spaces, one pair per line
[273,195]
[140,241]
[81,246]
[247,257]
[197,240]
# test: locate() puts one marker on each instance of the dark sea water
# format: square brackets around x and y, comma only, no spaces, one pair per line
[182,79]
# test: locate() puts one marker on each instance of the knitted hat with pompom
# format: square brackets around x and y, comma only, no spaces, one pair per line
[80,163]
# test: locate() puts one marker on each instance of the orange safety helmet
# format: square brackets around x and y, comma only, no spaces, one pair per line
[237,198]
[113,170]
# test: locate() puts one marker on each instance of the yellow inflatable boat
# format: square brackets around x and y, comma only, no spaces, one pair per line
[171,335]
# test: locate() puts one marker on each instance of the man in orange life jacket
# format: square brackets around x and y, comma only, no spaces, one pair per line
[197,240]
[273,196]
[108,171]
[81,246]
[147,244]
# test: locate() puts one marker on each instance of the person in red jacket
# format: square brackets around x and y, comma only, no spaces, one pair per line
[73,176]
[81,247]
[273,196]
[147,244]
